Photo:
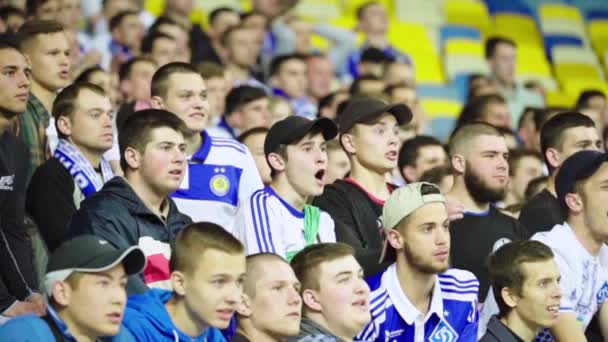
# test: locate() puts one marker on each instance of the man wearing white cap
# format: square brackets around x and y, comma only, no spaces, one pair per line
[418,297]
[86,286]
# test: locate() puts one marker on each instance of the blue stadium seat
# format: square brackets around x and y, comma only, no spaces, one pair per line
[437,91]
[511,6]
[453,31]
[597,14]
[441,127]
[555,40]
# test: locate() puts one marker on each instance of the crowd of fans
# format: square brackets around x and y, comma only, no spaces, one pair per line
[161,182]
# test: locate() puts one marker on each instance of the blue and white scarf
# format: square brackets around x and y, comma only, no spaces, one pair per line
[81,170]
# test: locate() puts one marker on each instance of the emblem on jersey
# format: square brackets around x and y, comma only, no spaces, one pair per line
[602,294]
[219,185]
[443,333]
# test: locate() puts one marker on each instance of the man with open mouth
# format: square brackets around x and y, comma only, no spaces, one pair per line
[277,218]
[525,281]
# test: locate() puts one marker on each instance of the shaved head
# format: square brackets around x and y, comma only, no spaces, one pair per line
[255,265]
[464,138]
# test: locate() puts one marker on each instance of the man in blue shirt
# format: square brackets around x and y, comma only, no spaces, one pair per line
[418,297]
[86,285]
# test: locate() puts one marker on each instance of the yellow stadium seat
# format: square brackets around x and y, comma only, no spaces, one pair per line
[434,107]
[575,87]
[422,50]
[468,13]
[531,59]
[155,7]
[559,11]
[569,72]
[464,47]
[519,28]
[598,33]
[559,99]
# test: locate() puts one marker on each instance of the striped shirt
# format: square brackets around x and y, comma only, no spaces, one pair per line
[220,176]
[452,314]
[267,223]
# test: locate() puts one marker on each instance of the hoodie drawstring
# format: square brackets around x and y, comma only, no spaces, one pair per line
[175,335]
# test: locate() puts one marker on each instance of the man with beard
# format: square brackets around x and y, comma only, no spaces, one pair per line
[418,298]
[479,158]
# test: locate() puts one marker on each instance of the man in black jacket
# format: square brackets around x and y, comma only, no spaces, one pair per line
[17,278]
[83,117]
[137,210]
[369,135]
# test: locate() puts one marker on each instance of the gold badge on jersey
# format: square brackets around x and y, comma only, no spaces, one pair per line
[219,185]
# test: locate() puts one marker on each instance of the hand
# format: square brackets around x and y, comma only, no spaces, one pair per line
[20,308]
[38,300]
[91,59]
[455,210]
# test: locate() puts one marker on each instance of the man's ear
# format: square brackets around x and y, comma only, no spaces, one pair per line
[348,142]
[62,293]
[64,125]
[574,202]
[276,162]
[178,282]
[459,163]
[311,300]
[133,158]
[553,157]
[157,102]
[244,307]
[509,297]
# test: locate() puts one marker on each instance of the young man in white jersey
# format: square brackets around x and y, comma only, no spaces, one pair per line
[276,219]
[579,245]
[221,172]
[418,297]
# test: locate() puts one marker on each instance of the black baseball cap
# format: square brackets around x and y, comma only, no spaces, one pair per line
[577,167]
[90,254]
[294,128]
[364,110]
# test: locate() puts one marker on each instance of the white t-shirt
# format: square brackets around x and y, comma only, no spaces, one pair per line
[220,175]
[584,276]
[266,223]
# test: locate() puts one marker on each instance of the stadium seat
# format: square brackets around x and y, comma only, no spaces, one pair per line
[573,54]
[434,107]
[597,14]
[350,7]
[519,28]
[441,127]
[559,11]
[469,13]
[570,72]
[449,32]
[464,65]
[429,13]
[598,34]
[508,7]
[552,41]
[438,92]
[420,49]
[559,99]
[456,47]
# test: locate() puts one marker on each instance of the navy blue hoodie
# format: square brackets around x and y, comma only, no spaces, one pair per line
[148,320]
[118,215]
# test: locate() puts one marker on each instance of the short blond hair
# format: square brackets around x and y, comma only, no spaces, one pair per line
[197,238]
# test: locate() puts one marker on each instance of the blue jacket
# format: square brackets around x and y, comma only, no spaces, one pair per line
[31,328]
[148,320]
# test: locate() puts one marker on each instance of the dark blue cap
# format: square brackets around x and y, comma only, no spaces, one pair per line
[577,167]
